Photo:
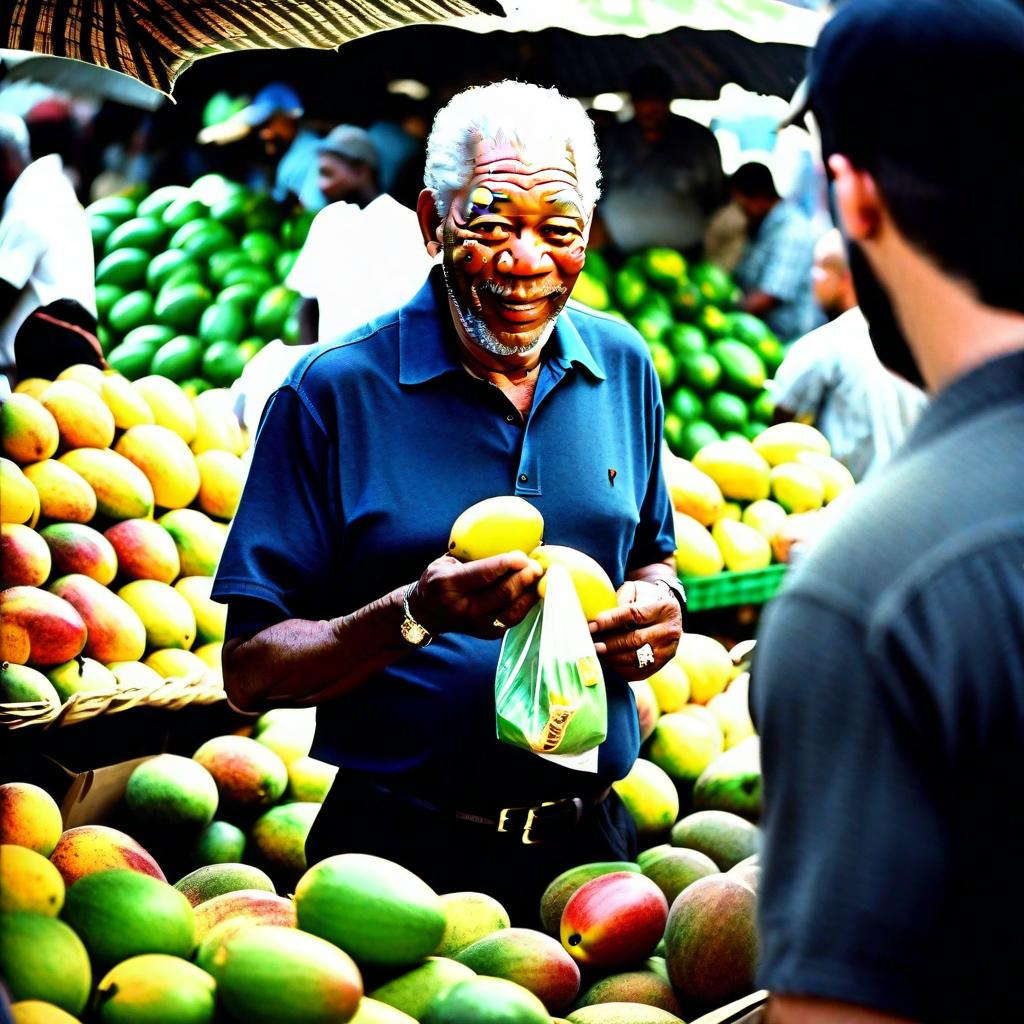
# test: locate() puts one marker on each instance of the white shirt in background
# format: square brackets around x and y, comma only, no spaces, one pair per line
[45,246]
[833,376]
[358,263]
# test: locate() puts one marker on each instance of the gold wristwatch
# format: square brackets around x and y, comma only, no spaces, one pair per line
[412,631]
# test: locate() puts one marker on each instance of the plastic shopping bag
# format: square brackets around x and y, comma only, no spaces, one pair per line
[549,688]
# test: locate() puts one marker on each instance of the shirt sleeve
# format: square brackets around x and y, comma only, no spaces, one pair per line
[805,377]
[787,265]
[20,250]
[281,546]
[860,826]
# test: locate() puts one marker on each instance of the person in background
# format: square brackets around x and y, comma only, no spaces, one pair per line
[775,270]
[662,173]
[485,383]
[54,337]
[45,242]
[833,378]
[888,679]
[363,257]
[275,115]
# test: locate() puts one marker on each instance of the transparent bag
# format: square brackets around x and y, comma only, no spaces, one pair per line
[549,688]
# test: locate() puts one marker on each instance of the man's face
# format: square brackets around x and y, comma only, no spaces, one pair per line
[277,133]
[651,112]
[338,178]
[514,243]
[828,279]
[754,207]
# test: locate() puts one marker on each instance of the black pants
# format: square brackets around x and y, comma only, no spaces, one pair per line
[458,856]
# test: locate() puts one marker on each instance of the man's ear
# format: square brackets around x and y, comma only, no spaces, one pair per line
[430,222]
[860,204]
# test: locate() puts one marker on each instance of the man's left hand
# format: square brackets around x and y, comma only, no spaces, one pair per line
[648,613]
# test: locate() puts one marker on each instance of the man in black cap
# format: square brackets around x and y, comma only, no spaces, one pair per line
[888,683]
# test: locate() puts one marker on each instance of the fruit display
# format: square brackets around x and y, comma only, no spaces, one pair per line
[190,281]
[196,904]
[712,359]
[737,501]
[116,500]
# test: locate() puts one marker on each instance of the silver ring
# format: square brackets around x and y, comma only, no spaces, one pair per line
[645,656]
[498,624]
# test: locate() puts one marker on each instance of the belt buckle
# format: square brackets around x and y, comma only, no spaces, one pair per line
[531,814]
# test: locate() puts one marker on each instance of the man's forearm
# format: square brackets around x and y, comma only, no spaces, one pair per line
[665,570]
[300,662]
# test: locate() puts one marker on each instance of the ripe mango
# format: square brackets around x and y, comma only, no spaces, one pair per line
[155,986]
[254,906]
[221,479]
[209,653]
[32,386]
[64,495]
[686,741]
[784,441]
[495,526]
[19,500]
[835,477]
[641,994]
[737,468]
[76,548]
[115,632]
[696,552]
[280,835]
[212,880]
[81,675]
[170,405]
[82,418]
[30,817]
[175,663]
[28,431]
[211,616]
[707,663]
[561,889]
[127,406]
[166,460]
[671,686]
[217,428]
[246,772]
[743,548]
[24,557]
[198,538]
[38,627]
[84,373]
[29,882]
[592,584]
[166,615]
[132,675]
[87,849]
[145,550]
[21,684]
[692,491]
[122,489]
[650,797]
[765,516]
[469,916]
[797,488]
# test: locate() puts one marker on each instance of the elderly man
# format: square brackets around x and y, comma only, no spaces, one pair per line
[483,384]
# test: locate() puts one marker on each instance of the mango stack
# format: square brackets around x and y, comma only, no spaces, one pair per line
[738,503]
[114,499]
[91,928]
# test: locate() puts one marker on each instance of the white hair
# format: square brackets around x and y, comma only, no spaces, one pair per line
[527,115]
[14,136]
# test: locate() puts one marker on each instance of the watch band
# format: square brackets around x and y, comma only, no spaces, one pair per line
[412,631]
[678,591]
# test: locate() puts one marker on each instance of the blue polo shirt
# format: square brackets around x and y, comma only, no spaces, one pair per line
[364,459]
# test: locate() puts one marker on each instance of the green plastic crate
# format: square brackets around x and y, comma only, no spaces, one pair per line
[726,589]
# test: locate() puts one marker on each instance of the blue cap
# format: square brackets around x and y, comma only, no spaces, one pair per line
[272,99]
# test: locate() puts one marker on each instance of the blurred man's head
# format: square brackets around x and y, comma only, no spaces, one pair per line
[347,163]
[831,277]
[274,113]
[753,191]
[650,90]
[918,106]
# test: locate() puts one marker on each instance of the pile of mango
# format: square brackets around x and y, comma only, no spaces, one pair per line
[739,504]
[115,498]
[712,359]
[190,280]
[91,929]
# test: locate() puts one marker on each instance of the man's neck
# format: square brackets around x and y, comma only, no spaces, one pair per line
[949,331]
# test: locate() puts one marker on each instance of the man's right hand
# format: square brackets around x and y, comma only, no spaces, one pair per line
[470,597]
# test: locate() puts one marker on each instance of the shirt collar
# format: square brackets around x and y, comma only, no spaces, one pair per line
[427,337]
[997,382]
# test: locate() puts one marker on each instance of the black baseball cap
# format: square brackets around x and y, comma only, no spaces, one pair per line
[928,85]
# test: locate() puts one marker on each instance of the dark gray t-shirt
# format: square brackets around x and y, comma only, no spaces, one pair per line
[888,688]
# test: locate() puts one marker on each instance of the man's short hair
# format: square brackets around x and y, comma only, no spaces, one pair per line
[925,95]
[651,82]
[531,116]
[755,180]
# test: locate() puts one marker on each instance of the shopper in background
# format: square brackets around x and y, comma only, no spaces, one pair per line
[54,337]
[888,682]
[833,378]
[363,257]
[775,270]
[275,115]
[45,241]
[662,173]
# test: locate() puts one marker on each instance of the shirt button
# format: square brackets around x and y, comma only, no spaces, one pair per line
[510,418]
[523,478]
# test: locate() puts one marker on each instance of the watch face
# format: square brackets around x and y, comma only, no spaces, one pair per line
[414,633]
